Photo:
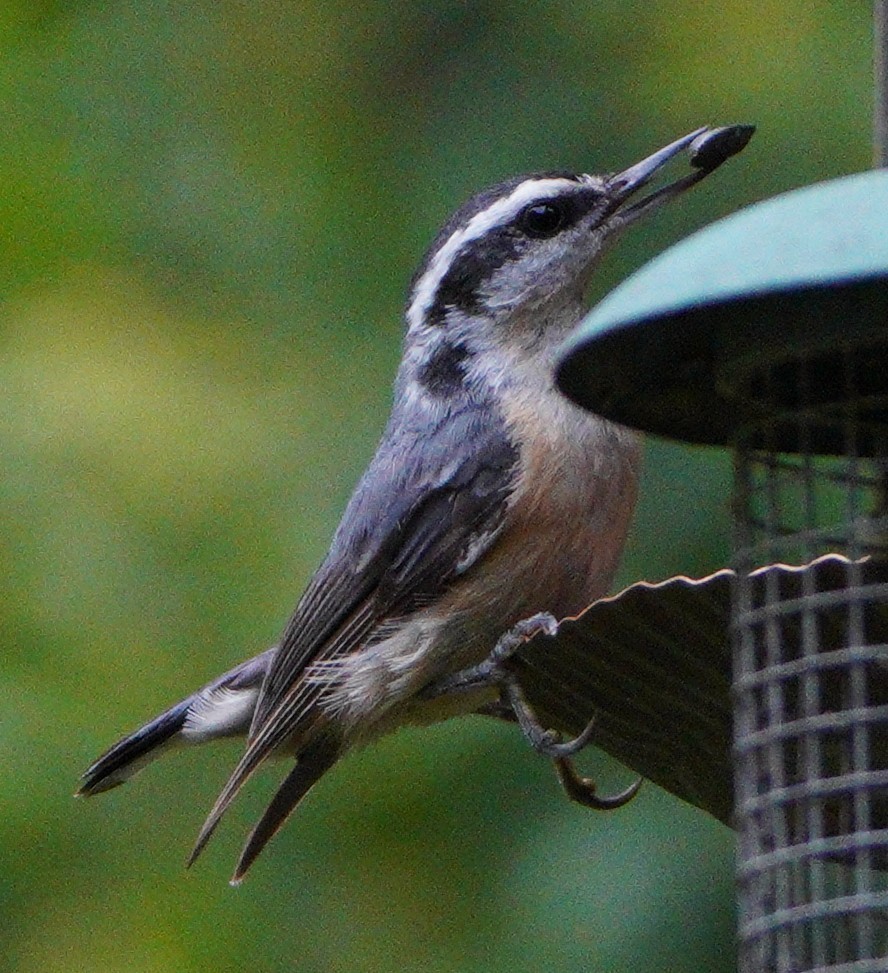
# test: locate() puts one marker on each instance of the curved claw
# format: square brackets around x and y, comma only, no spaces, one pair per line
[582,789]
[546,742]
[560,750]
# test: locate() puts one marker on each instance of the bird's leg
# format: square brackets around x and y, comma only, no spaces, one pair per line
[495,672]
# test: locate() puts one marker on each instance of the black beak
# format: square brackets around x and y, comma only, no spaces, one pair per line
[707,148]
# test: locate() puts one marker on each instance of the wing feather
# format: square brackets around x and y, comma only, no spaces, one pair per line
[430,504]
[402,541]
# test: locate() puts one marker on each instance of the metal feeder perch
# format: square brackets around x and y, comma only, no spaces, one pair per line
[768,333]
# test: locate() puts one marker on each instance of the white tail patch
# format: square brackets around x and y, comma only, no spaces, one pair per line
[220,712]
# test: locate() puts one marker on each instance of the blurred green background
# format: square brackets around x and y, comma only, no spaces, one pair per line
[210,212]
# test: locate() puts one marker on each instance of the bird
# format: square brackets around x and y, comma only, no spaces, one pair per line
[493,506]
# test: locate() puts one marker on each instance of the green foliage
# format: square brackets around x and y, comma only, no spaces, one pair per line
[210,212]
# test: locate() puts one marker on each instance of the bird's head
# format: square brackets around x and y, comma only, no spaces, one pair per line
[515,259]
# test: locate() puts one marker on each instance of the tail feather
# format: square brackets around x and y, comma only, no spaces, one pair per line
[129,755]
[249,763]
[310,767]
[313,741]
[222,708]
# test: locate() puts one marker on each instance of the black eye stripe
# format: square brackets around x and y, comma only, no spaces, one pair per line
[543,219]
[462,284]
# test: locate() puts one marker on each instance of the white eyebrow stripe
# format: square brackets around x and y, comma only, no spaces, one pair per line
[497,214]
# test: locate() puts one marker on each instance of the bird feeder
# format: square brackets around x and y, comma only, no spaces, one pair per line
[768,333]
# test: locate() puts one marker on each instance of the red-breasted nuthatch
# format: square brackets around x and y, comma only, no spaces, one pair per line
[491,499]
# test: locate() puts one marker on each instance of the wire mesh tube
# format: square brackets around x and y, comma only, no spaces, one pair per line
[810,676]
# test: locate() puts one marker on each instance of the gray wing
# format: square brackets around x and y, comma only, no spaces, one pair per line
[433,492]
[429,505]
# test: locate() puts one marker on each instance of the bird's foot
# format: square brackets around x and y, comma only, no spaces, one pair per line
[495,672]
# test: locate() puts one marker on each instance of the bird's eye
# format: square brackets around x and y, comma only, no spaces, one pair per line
[541,220]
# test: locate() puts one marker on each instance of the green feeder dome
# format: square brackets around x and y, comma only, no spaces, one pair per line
[803,277]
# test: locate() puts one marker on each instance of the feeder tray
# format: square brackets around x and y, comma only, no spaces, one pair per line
[768,333]
[801,278]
